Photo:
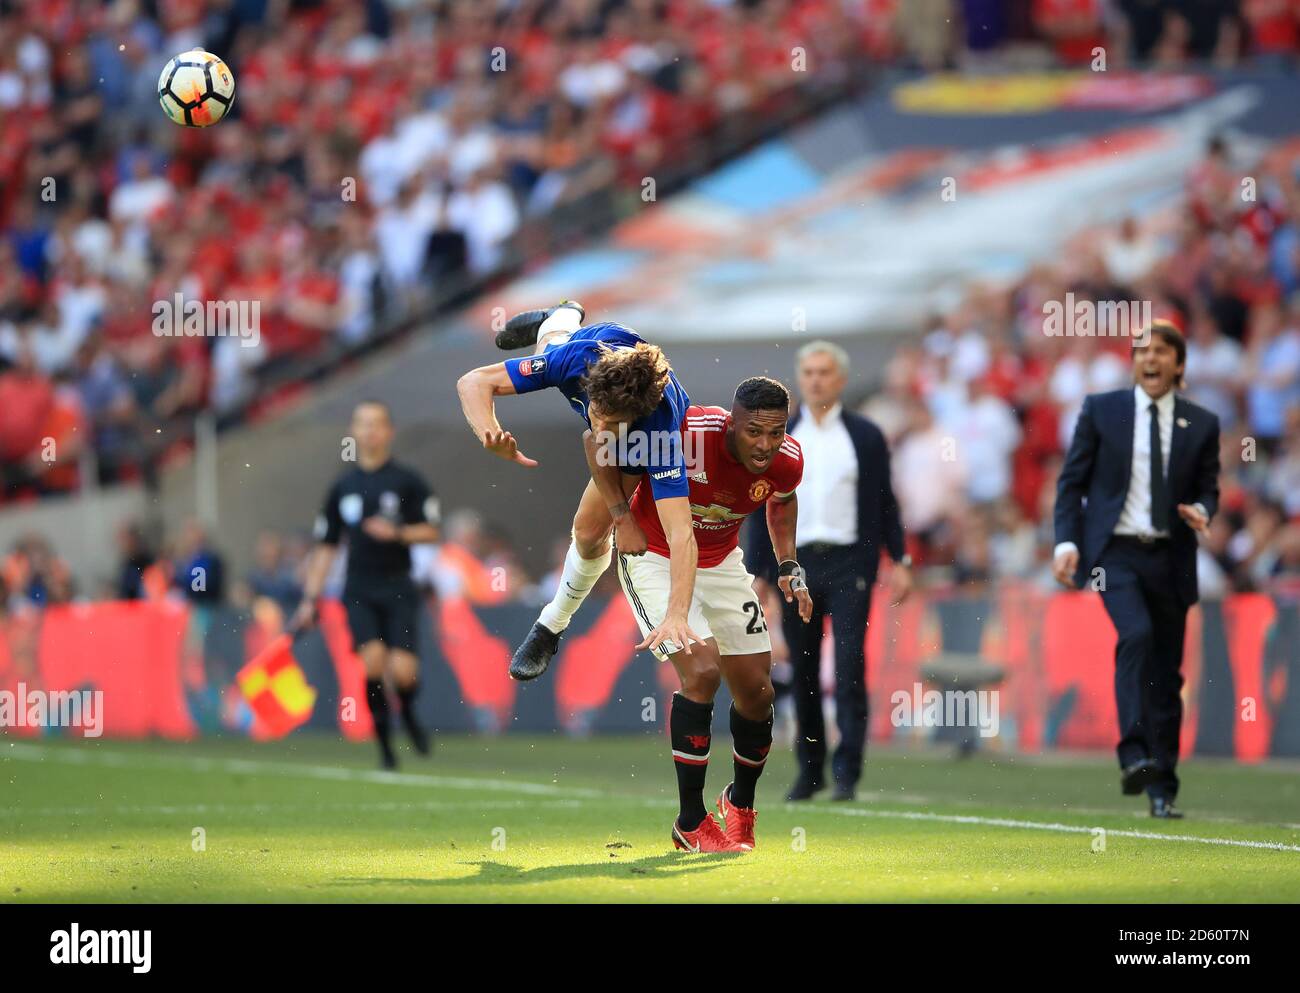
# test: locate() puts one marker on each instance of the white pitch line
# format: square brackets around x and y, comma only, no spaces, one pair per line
[269,808]
[252,766]
[38,753]
[912,815]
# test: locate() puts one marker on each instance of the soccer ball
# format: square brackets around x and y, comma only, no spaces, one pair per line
[196,89]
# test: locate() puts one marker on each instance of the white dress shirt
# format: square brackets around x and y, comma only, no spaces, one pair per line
[1135,517]
[828,494]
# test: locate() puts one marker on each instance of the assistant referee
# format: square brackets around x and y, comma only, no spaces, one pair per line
[383,507]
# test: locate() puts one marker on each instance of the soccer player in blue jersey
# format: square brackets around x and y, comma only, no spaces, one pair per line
[623,388]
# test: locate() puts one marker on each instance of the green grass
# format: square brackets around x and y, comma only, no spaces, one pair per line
[548,819]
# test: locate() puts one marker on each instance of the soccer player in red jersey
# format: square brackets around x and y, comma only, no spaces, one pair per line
[736,462]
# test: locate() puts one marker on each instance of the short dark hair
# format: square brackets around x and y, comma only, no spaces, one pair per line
[628,381]
[763,393]
[1171,336]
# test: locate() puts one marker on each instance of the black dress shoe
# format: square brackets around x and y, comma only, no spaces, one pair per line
[521,330]
[844,794]
[535,654]
[803,789]
[1164,808]
[1138,776]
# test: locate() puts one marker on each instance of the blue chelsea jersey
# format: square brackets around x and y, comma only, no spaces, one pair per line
[563,365]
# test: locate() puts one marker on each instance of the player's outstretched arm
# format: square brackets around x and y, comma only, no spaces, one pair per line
[782,519]
[683,556]
[478,390]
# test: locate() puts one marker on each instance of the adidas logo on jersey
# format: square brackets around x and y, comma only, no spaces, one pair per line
[700,477]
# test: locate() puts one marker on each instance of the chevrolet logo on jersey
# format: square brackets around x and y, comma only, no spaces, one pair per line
[716,512]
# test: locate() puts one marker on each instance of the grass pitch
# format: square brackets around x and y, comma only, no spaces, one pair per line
[554,820]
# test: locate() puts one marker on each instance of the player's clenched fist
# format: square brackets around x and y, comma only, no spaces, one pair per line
[628,536]
[1064,566]
[503,444]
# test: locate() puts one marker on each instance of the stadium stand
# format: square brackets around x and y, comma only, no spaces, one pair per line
[382,158]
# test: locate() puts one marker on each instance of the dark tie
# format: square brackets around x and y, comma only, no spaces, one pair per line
[1159,501]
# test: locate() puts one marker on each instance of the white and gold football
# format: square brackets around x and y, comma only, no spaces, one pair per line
[196,89]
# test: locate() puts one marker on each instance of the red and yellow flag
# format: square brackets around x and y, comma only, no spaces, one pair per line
[276,688]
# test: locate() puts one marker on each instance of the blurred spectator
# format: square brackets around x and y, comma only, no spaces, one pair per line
[1272,372]
[27,399]
[35,575]
[275,571]
[136,561]
[928,477]
[1130,255]
[1072,27]
[986,434]
[200,569]
[1214,364]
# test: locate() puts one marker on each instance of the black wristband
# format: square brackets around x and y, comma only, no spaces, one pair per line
[798,578]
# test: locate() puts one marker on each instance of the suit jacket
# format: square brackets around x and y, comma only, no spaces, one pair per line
[879,523]
[1098,467]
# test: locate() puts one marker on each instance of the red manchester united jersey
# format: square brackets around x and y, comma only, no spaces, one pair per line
[722,491]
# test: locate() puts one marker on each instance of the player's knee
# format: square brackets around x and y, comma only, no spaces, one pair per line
[700,679]
[403,667]
[373,655]
[753,698]
[591,537]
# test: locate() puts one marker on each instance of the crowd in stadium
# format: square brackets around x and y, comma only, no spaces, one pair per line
[451,157]
[978,411]
[378,152]
[456,121]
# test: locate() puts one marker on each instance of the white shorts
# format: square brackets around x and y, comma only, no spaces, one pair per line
[724,606]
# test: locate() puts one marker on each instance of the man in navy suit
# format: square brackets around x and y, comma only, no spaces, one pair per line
[1140,480]
[847,514]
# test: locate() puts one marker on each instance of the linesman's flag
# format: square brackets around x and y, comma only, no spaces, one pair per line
[276,689]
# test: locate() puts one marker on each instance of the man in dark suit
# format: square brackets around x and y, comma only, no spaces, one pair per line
[847,512]
[1146,462]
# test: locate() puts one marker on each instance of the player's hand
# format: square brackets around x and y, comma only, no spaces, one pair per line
[792,581]
[304,617]
[673,635]
[1064,566]
[503,445]
[381,529]
[793,592]
[1197,521]
[628,536]
[900,583]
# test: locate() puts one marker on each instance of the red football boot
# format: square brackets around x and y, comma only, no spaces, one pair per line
[739,821]
[708,837]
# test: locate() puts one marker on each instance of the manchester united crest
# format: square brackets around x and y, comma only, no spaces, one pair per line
[759,491]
